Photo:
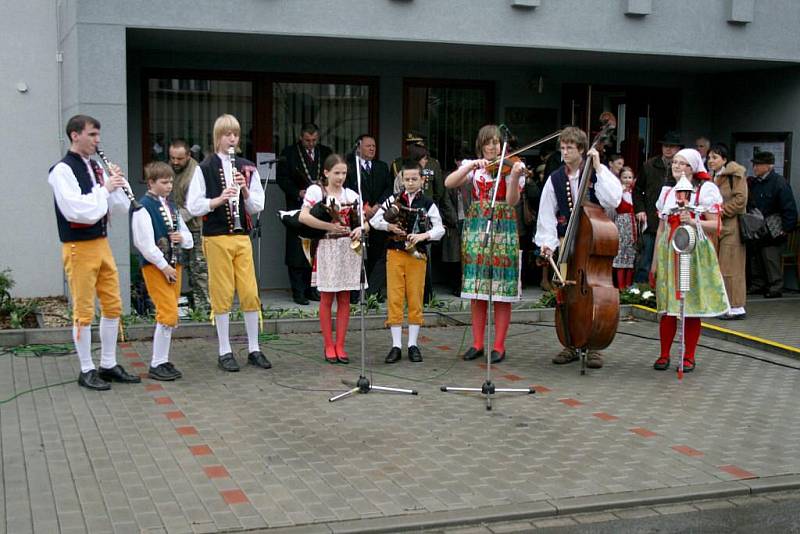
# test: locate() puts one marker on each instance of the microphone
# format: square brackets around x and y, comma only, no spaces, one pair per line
[504,131]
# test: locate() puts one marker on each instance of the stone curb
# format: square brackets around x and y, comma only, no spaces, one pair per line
[725,334]
[549,508]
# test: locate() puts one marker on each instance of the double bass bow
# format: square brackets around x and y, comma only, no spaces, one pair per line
[587,303]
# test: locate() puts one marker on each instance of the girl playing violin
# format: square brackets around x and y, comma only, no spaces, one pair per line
[500,266]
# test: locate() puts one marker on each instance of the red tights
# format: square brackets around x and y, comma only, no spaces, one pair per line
[326,321]
[502,318]
[667,328]
[624,278]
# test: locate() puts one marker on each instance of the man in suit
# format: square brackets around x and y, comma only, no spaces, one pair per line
[299,166]
[376,186]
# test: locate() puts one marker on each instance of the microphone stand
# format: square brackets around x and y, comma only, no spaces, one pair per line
[363,384]
[488,389]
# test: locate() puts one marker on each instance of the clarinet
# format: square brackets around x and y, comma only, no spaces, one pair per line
[171,226]
[135,205]
[237,223]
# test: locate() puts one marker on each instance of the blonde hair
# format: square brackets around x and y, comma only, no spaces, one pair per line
[487,133]
[225,123]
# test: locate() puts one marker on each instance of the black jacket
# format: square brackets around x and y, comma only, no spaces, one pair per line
[772,194]
[291,174]
[377,185]
[653,176]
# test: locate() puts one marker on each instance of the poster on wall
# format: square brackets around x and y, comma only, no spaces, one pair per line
[779,143]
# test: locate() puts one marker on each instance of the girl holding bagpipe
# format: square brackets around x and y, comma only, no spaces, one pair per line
[336,266]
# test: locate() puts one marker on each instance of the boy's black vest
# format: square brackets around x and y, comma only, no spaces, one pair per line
[160,230]
[72,231]
[560,183]
[421,202]
[220,220]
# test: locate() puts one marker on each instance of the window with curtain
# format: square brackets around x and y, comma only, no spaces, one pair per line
[448,114]
[340,110]
[187,108]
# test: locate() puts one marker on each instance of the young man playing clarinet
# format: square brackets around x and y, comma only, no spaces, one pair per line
[158,231]
[226,196]
[84,196]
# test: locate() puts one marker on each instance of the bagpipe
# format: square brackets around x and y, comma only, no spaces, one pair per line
[328,210]
[410,221]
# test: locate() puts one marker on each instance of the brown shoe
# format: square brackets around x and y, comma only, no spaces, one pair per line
[594,360]
[565,356]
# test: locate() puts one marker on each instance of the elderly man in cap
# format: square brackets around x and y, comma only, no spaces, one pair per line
[655,173]
[771,194]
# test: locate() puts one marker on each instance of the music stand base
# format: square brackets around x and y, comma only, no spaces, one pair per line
[362,385]
[488,389]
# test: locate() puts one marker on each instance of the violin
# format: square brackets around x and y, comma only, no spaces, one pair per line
[508,165]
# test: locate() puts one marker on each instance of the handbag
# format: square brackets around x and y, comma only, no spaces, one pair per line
[774,225]
[752,227]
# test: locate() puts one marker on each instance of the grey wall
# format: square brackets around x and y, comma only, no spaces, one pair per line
[29,245]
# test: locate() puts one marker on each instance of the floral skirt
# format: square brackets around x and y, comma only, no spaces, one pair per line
[626,256]
[706,296]
[503,266]
[336,266]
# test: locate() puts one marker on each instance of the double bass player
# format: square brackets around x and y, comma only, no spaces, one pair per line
[557,203]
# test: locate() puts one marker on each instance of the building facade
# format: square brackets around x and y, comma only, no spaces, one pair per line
[150,71]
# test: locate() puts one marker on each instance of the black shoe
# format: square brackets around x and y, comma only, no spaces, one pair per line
[118,374]
[258,359]
[498,357]
[173,369]
[90,380]
[729,317]
[228,363]
[300,299]
[313,294]
[163,373]
[773,295]
[661,364]
[414,354]
[394,355]
[472,354]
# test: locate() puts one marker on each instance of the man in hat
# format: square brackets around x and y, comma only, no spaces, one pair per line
[433,185]
[771,194]
[655,173]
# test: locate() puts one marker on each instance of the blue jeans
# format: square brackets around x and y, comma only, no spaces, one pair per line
[645,258]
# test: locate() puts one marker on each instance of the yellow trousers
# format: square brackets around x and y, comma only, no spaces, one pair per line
[91,270]
[405,282]
[231,268]
[163,294]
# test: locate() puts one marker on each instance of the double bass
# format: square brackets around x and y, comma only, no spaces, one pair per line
[587,303]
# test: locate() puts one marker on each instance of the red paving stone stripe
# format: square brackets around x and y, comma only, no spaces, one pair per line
[200,450]
[163,400]
[138,364]
[424,339]
[234,496]
[216,471]
[443,347]
[144,375]
[124,345]
[738,472]
[574,403]
[688,451]
[186,430]
[541,389]
[133,354]
[153,387]
[605,416]
[643,432]
[176,414]
[513,378]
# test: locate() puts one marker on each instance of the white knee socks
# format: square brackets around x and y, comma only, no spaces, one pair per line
[82,337]
[223,326]
[109,329]
[413,332]
[251,325]
[161,341]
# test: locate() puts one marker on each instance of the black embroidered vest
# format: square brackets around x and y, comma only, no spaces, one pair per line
[160,230]
[220,220]
[560,182]
[72,231]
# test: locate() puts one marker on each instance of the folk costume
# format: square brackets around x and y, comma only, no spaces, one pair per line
[707,296]
[299,168]
[555,208]
[82,205]
[229,254]
[405,270]
[336,271]
[624,261]
[150,227]
[478,267]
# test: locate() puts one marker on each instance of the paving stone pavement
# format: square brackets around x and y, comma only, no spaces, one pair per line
[257,449]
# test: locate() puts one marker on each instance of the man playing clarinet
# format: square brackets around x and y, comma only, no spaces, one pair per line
[84,196]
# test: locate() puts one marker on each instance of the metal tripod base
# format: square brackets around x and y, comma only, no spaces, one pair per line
[488,389]
[363,386]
